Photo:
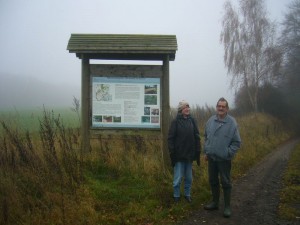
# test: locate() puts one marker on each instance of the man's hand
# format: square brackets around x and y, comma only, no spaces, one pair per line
[197,157]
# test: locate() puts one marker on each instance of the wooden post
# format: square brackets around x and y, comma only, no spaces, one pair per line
[85,104]
[165,122]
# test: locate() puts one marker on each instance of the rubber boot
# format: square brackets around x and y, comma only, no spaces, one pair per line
[227,196]
[214,204]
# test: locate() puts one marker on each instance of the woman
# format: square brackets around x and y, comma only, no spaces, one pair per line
[184,148]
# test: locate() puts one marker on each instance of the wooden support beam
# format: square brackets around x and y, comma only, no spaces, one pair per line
[165,120]
[85,104]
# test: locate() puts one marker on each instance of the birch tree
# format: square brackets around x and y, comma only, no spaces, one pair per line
[250,52]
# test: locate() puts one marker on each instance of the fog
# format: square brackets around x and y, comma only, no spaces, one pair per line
[36,69]
[27,92]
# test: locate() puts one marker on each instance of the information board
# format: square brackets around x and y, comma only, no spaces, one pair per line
[125,102]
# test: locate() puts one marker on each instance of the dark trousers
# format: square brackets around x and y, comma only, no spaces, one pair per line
[222,169]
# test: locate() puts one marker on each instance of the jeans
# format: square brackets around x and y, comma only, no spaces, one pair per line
[222,169]
[182,169]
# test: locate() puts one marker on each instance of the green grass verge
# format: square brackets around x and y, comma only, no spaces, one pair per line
[289,207]
[124,198]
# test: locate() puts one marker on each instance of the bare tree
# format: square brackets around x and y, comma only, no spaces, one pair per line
[251,56]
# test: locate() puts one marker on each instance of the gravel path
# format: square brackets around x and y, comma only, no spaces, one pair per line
[255,196]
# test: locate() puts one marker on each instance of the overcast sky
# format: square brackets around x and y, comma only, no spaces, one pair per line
[35,33]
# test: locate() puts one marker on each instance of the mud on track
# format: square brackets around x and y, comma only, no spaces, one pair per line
[255,196]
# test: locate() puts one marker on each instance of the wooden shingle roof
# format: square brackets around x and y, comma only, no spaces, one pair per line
[123,46]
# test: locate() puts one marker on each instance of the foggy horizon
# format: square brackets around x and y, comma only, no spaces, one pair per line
[27,92]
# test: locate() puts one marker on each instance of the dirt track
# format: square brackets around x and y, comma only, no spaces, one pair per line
[255,197]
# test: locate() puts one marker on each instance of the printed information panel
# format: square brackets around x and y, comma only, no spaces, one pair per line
[125,102]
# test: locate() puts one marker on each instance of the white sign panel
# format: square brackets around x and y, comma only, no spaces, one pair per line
[125,102]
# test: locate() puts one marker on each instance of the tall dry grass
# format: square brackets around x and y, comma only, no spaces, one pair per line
[136,154]
[38,175]
[260,134]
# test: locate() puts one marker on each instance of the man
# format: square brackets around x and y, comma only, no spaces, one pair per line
[184,148]
[222,141]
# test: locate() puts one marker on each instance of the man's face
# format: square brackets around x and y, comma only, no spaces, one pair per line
[222,109]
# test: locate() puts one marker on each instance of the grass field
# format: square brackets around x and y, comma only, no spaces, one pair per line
[28,119]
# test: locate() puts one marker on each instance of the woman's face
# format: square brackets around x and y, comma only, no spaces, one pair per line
[186,110]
